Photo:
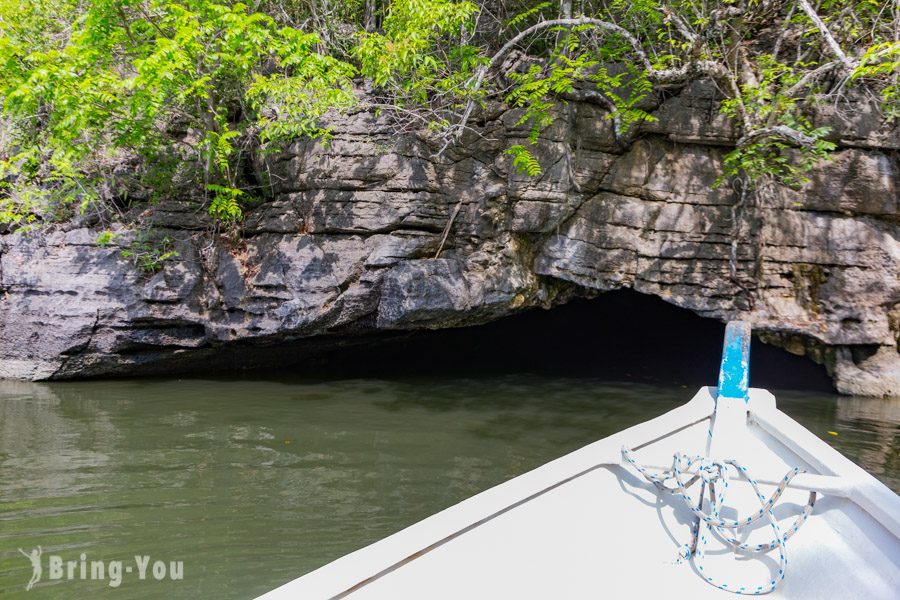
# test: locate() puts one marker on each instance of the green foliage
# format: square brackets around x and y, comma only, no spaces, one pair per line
[534,91]
[105,238]
[538,90]
[130,74]
[770,103]
[149,251]
[190,95]
[17,212]
[414,60]
[638,16]
[17,203]
[524,161]
[225,206]
[527,14]
[776,159]
[291,104]
[769,100]
[881,63]
[625,91]
[64,189]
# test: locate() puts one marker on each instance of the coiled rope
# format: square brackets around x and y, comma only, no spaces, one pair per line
[687,470]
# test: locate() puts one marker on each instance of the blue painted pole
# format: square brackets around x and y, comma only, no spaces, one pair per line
[734,373]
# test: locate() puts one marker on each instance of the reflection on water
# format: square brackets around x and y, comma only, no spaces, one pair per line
[254,483]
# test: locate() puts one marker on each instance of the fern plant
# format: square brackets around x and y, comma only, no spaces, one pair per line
[527,14]
[538,90]
[524,161]
[225,205]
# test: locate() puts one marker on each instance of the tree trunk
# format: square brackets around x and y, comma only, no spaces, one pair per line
[369,16]
[565,12]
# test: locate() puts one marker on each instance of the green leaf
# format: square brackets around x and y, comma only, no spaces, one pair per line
[524,161]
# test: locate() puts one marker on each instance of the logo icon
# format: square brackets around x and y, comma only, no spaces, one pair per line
[35,557]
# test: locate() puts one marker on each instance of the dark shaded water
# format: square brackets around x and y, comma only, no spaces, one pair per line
[254,483]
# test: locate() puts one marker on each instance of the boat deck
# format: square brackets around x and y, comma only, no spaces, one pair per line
[584,526]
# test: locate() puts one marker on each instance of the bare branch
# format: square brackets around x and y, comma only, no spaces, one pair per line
[823,29]
[808,77]
[449,226]
[611,27]
[680,25]
[784,31]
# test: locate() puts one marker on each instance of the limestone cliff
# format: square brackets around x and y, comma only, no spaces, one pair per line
[349,247]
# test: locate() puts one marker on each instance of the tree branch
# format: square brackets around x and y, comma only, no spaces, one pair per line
[611,27]
[680,25]
[784,132]
[804,81]
[823,29]
[482,71]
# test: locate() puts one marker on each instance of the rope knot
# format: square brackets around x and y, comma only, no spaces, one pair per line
[687,470]
[711,471]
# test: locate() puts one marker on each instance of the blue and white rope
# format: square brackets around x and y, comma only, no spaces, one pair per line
[711,472]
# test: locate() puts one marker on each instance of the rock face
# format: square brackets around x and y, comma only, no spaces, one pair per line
[349,247]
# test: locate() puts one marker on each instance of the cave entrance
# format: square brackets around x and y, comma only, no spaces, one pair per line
[620,336]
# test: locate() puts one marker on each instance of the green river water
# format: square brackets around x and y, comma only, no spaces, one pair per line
[254,483]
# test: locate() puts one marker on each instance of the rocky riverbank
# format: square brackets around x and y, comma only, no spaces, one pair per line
[372,233]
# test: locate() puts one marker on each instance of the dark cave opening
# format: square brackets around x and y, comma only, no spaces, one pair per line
[620,335]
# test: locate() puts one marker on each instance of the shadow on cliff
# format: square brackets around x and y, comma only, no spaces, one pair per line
[620,335]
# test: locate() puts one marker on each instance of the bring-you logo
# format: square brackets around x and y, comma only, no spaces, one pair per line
[140,567]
